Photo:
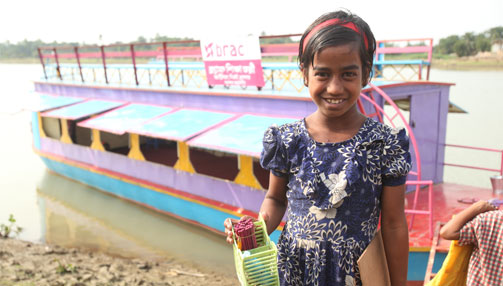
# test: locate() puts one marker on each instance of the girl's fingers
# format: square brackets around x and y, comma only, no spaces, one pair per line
[228,222]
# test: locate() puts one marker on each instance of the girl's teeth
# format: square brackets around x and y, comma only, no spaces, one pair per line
[334,101]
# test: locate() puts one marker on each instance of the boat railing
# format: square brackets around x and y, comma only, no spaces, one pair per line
[179,63]
[397,118]
[410,55]
[500,151]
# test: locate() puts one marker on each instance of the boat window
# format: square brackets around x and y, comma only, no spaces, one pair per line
[159,151]
[214,163]
[261,174]
[115,143]
[82,135]
[51,127]
[79,135]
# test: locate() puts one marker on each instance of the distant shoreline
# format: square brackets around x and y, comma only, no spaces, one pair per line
[468,63]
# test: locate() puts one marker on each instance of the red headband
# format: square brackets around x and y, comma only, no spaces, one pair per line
[334,21]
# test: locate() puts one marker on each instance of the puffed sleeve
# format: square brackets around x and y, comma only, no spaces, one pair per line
[396,158]
[273,156]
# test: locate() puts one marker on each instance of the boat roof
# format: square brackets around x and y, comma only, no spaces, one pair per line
[119,120]
[240,136]
[182,124]
[43,102]
[230,132]
[83,109]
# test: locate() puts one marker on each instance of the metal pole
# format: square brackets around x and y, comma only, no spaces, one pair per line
[380,67]
[134,64]
[501,169]
[76,49]
[104,63]
[58,71]
[42,62]
[272,79]
[165,51]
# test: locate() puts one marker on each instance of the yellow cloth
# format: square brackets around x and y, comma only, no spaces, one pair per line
[455,266]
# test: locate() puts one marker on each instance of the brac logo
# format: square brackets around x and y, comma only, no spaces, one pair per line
[209,50]
[218,51]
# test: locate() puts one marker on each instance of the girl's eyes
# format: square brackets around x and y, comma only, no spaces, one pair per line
[321,74]
[349,75]
[346,75]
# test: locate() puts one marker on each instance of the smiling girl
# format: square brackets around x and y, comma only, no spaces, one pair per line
[335,171]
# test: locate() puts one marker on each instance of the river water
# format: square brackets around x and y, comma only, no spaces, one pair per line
[55,209]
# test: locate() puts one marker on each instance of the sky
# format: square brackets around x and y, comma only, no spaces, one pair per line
[85,20]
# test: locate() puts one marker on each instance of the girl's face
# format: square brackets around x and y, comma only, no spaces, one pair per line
[335,80]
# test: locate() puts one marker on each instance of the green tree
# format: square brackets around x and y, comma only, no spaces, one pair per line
[482,43]
[496,35]
[446,45]
[466,45]
[461,49]
[141,39]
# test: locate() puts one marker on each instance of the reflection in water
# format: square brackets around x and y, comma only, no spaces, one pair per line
[75,215]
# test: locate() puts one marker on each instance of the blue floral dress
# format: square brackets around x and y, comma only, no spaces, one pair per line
[334,197]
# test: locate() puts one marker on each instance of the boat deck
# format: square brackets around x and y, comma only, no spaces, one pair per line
[447,200]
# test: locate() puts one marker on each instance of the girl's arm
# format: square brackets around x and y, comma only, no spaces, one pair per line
[274,206]
[452,228]
[395,233]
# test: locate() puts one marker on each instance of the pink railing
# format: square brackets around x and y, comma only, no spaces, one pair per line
[163,52]
[426,46]
[159,50]
[417,183]
[381,115]
[500,170]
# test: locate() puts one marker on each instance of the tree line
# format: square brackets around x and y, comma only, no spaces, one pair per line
[470,43]
[464,45]
[28,49]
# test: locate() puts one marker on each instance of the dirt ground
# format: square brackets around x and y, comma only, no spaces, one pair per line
[25,264]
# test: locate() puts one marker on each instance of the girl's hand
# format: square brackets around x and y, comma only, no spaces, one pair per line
[229,222]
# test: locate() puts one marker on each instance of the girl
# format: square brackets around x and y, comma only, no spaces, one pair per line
[336,170]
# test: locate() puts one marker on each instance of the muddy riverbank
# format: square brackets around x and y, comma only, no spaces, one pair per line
[26,263]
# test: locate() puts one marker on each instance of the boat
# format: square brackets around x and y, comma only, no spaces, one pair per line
[151,123]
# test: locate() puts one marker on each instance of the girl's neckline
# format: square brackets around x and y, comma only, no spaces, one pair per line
[360,130]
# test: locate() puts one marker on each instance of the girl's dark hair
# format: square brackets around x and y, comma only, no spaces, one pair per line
[336,35]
